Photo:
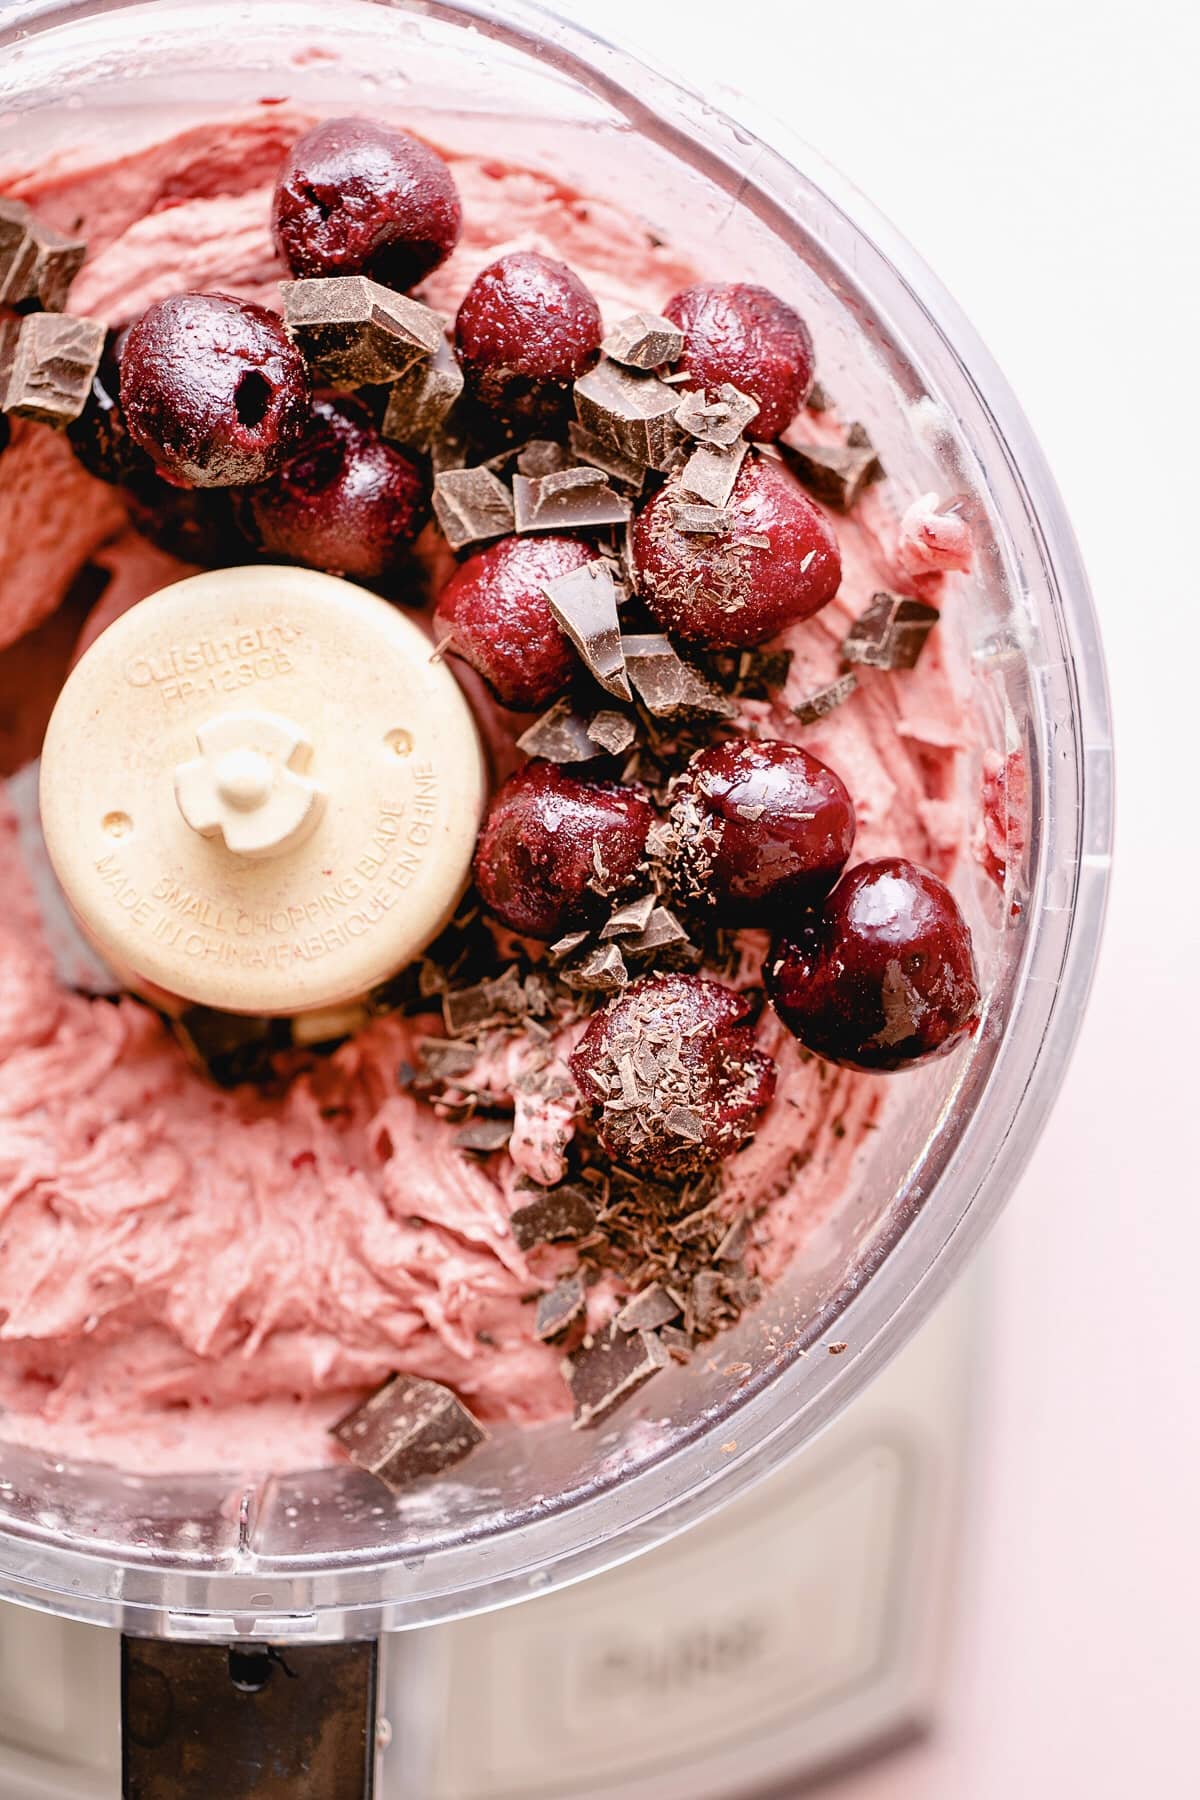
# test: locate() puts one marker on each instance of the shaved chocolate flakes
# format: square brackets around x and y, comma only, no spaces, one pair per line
[717,415]
[471,505]
[559,1308]
[53,366]
[710,472]
[37,263]
[484,1135]
[668,686]
[445,1059]
[602,972]
[567,500]
[487,1003]
[557,1214]
[609,1369]
[891,633]
[587,448]
[644,340]
[648,1310]
[407,1429]
[818,705]
[835,473]
[420,401]
[632,411]
[584,605]
[354,332]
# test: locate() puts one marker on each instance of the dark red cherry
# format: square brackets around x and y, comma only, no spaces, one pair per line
[674,1070]
[358,198]
[497,618]
[213,390]
[347,501]
[759,830]
[99,436]
[552,849]
[777,562]
[746,335]
[195,524]
[883,977]
[526,329]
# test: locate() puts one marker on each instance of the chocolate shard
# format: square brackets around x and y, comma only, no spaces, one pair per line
[661,928]
[644,340]
[818,400]
[668,686]
[559,1214]
[561,735]
[818,705]
[710,472]
[559,1308]
[471,506]
[614,732]
[610,1368]
[541,457]
[491,1002]
[632,411]
[648,1310]
[716,415]
[421,399]
[354,332]
[569,943]
[575,499]
[835,473]
[695,516]
[483,1135]
[37,263]
[408,1428]
[706,1303]
[678,1343]
[891,633]
[603,971]
[587,448]
[584,605]
[445,1059]
[630,919]
[762,673]
[53,366]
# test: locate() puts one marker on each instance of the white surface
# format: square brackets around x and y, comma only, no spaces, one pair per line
[1042,155]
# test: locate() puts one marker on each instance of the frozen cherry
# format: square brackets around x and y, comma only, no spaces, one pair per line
[347,501]
[357,198]
[552,849]
[195,524]
[676,1074]
[496,617]
[759,830]
[883,976]
[213,390]
[748,336]
[526,329]
[99,436]
[776,562]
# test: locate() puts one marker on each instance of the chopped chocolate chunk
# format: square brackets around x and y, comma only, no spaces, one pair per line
[558,1214]
[10,332]
[661,928]
[471,506]
[835,473]
[705,1307]
[734,1242]
[354,332]
[666,684]
[602,972]
[648,1310]
[587,448]
[609,1368]
[762,673]
[541,457]
[567,500]
[560,735]
[644,340]
[487,1003]
[857,436]
[584,605]
[817,705]
[445,1059]
[484,1135]
[891,633]
[419,402]
[818,400]
[408,1428]
[630,919]
[53,367]
[569,943]
[559,1308]
[716,415]
[677,1343]
[694,515]
[614,732]
[710,472]
[36,262]
[836,1349]
[635,412]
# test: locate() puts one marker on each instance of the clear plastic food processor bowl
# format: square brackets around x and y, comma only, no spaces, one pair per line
[329,1553]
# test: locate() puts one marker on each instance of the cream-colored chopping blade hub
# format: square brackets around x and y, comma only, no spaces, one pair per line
[259,792]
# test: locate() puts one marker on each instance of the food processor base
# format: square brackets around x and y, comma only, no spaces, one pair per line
[798,1630]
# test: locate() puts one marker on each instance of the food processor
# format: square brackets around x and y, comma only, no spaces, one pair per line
[233,1584]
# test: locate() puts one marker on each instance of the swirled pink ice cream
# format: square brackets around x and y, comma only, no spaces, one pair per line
[190,1276]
